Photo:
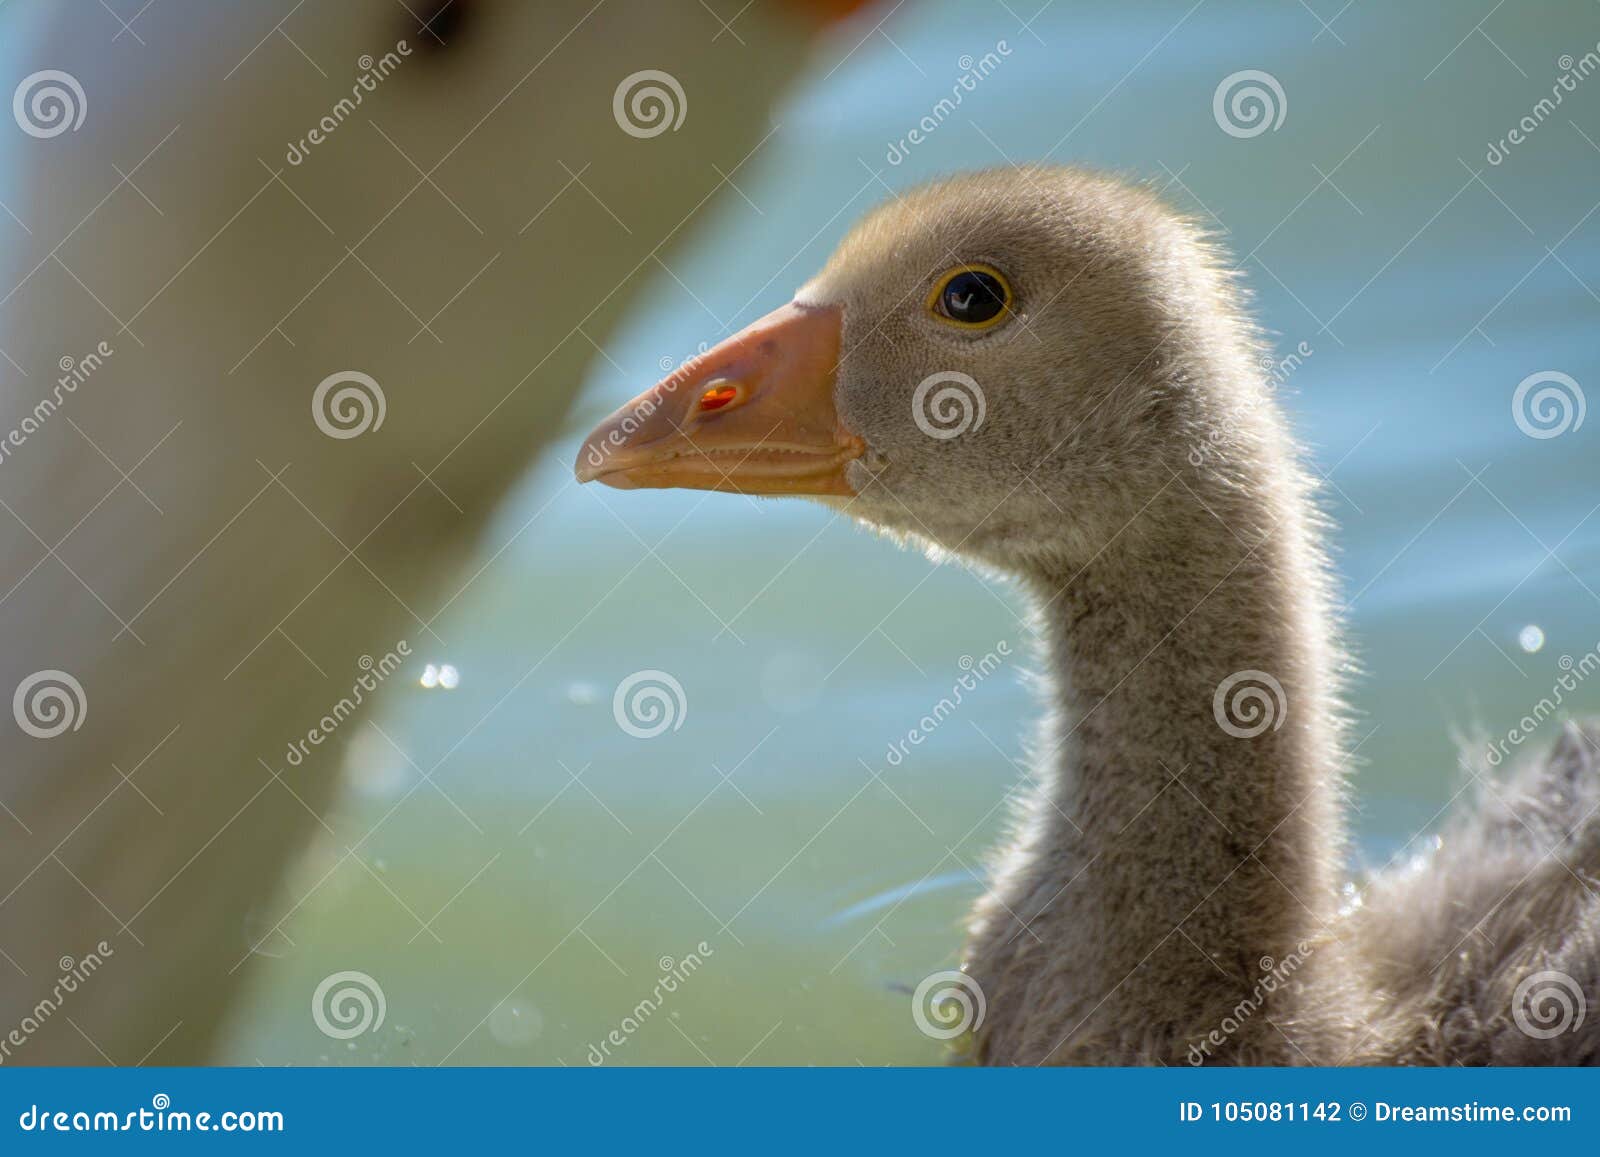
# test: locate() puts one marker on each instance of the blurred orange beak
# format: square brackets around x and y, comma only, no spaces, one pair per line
[755,415]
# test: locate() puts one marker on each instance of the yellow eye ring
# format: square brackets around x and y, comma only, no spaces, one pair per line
[986,288]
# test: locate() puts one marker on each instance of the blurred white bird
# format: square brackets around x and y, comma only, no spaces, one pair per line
[289,295]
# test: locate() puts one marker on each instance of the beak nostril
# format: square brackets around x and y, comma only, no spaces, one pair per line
[718,395]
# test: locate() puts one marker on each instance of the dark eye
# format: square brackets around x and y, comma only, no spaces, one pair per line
[972,297]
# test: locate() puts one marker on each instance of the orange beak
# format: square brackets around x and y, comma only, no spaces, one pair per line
[755,415]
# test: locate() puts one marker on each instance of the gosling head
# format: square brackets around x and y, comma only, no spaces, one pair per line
[1007,365]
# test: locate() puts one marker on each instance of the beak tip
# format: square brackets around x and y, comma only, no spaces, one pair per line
[586,471]
[588,465]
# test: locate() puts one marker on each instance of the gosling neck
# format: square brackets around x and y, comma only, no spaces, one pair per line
[1182,837]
